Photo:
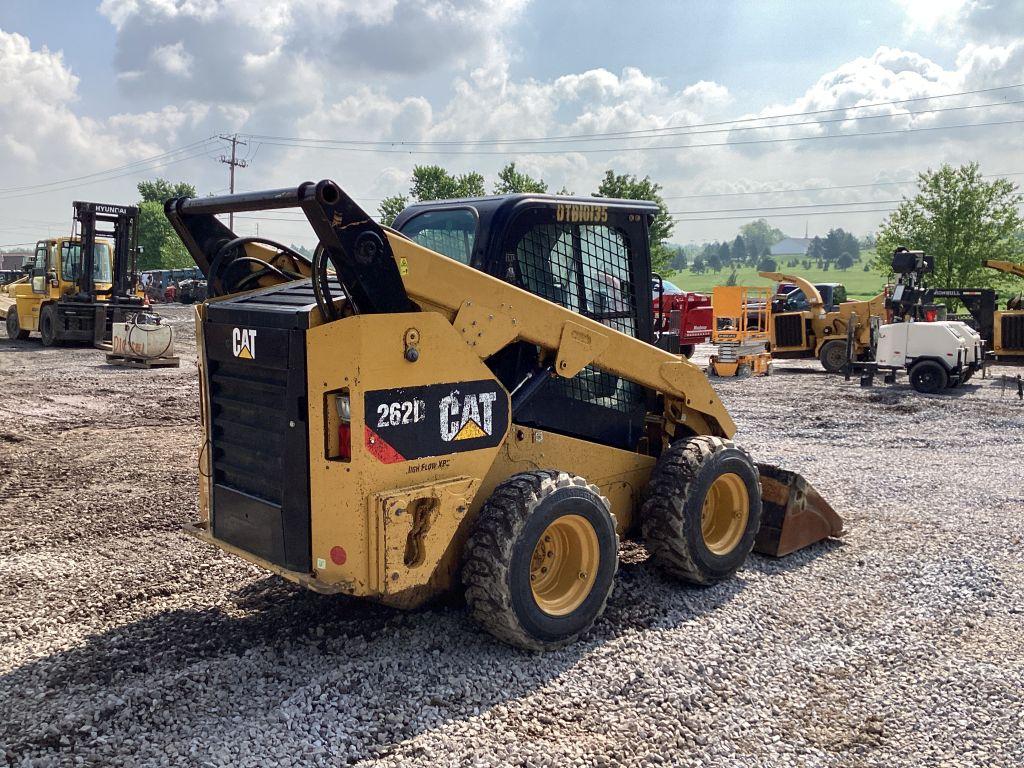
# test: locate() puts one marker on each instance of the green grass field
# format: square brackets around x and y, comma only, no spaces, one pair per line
[859,284]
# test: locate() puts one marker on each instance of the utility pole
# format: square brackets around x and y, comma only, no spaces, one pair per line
[233,163]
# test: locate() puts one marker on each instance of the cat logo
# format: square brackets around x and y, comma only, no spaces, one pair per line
[463,418]
[243,343]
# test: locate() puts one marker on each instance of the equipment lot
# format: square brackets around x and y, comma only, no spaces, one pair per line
[122,641]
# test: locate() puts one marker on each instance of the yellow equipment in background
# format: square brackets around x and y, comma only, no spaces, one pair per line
[818,332]
[741,318]
[1008,324]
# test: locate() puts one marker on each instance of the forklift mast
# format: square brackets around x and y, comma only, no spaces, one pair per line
[125,235]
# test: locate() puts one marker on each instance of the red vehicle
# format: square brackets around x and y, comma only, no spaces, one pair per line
[684,313]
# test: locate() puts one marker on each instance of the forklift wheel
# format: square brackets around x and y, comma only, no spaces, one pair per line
[541,559]
[928,377]
[687,350]
[703,509]
[48,325]
[833,356]
[14,331]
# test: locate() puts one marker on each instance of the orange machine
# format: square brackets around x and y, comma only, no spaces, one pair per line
[740,328]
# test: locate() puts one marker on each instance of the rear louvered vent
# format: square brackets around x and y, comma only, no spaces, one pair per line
[248,427]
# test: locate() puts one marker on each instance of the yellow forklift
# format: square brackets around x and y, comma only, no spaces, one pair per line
[76,287]
[1008,324]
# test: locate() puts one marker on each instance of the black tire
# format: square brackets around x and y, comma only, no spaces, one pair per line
[672,514]
[966,375]
[14,330]
[687,350]
[833,356]
[744,371]
[928,377]
[500,558]
[48,325]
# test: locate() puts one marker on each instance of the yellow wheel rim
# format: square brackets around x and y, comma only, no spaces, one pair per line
[564,565]
[723,518]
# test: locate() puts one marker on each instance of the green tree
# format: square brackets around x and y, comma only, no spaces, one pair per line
[731,280]
[959,218]
[757,236]
[816,250]
[390,207]
[161,190]
[161,246]
[738,251]
[432,182]
[715,263]
[511,181]
[631,188]
[845,261]
[767,264]
[698,267]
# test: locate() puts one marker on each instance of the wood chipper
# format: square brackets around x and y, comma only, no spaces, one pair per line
[741,331]
[470,399]
[819,331]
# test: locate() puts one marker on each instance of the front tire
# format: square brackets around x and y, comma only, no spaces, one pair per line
[703,509]
[48,325]
[541,560]
[833,356]
[928,377]
[14,330]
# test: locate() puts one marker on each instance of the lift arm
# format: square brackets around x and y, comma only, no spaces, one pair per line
[1008,267]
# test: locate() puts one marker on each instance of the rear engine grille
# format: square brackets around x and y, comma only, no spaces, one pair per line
[1013,332]
[789,330]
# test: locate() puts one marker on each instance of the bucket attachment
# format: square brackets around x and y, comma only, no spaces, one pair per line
[794,515]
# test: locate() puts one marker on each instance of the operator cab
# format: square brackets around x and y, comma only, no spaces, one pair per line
[590,255]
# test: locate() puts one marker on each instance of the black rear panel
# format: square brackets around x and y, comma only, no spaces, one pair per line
[259,446]
[789,330]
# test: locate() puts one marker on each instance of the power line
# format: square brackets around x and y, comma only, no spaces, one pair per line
[133,164]
[786,207]
[787,215]
[102,180]
[296,143]
[823,189]
[654,131]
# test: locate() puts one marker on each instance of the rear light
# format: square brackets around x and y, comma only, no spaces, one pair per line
[344,407]
[931,315]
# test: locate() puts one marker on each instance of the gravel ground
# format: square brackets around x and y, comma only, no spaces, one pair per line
[124,642]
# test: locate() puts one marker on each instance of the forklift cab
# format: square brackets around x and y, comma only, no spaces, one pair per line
[63,273]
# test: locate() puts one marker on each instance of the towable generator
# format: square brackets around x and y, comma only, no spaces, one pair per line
[470,399]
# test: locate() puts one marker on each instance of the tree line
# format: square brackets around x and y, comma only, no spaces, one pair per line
[957,215]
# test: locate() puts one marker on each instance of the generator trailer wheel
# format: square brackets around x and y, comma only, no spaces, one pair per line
[14,331]
[928,377]
[540,560]
[833,356]
[703,509]
[48,325]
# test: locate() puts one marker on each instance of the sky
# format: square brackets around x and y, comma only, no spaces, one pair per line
[737,109]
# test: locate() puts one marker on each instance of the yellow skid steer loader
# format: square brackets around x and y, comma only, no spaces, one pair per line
[470,398]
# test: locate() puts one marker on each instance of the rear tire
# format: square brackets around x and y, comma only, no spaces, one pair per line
[703,509]
[687,350]
[48,325]
[541,559]
[928,377]
[833,356]
[744,371]
[14,330]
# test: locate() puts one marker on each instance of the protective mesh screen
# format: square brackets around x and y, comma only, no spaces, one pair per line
[454,243]
[585,268]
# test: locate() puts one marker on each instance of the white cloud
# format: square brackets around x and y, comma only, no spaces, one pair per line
[173,59]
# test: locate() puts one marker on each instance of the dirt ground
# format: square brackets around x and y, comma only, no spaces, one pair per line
[125,642]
